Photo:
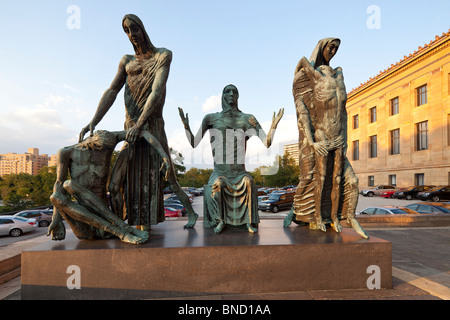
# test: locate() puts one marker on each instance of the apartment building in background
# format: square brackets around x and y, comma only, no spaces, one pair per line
[30,162]
[292,151]
[399,121]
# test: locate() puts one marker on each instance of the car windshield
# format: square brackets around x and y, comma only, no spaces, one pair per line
[409,188]
[274,197]
[435,188]
[396,211]
[21,219]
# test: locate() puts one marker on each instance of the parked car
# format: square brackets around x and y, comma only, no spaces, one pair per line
[43,217]
[410,192]
[430,207]
[387,193]
[16,226]
[377,190]
[171,212]
[277,201]
[175,205]
[175,197]
[435,194]
[387,210]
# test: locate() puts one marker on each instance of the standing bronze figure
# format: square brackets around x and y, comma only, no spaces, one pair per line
[230,197]
[328,187]
[144,76]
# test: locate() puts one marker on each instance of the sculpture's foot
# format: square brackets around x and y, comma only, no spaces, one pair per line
[251,228]
[219,227]
[129,238]
[192,220]
[357,227]
[138,233]
[318,226]
[337,226]
[288,219]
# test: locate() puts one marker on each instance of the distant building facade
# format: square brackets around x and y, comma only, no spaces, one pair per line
[30,162]
[399,121]
[292,151]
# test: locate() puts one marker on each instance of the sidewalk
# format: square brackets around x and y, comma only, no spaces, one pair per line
[421,270]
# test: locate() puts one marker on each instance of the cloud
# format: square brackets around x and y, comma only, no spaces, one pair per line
[45,125]
[212,103]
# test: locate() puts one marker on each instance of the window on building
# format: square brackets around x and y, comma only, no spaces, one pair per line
[394,141]
[356,121]
[394,108]
[419,179]
[373,114]
[371,181]
[356,150]
[422,135]
[422,96]
[373,146]
[392,179]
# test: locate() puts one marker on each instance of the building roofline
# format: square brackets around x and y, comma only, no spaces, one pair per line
[407,60]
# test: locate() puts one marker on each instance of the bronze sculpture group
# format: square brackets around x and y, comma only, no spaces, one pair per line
[327,191]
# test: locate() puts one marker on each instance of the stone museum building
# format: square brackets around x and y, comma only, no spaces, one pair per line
[399,121]
[30,162]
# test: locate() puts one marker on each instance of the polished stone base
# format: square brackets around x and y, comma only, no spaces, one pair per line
[179,262]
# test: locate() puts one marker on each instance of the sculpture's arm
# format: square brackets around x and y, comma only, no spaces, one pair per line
[194,140]
[155,144]
[304,122]
[157,93]
[304,64]
[267,138]
[107,100]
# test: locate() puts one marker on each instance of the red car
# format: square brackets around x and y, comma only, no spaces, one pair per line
[171,212]
[387,194]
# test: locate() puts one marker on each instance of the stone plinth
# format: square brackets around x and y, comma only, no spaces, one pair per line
[179,262]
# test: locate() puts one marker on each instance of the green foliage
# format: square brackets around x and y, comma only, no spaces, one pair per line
[20,191]
[194,177]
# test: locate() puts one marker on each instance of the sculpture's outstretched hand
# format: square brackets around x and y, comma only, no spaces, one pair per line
[276,118]
[184,119]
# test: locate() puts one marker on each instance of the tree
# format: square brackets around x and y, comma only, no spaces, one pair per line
[287,174]
[195,177]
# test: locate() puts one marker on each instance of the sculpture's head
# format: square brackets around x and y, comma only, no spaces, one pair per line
[135,30]
[100,140]
[325,50]
[230,96]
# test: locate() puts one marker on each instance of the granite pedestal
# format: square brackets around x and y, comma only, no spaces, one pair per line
[178,262]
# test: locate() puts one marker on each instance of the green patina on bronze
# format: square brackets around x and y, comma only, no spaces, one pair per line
[230,197]
[328,187]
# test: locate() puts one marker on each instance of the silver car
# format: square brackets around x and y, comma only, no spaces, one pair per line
[43,217]
[16,226]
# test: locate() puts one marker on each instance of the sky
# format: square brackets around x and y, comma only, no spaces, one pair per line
[58,57]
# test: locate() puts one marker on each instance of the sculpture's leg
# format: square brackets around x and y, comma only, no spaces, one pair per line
[217,195]
[81,214]
[351,194]
[90,200]
[321,165]
[336,188]
[176,188]
[250,187]
[117,180]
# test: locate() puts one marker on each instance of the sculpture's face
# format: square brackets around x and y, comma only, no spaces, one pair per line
[134,32]
[330,50]
[231,95]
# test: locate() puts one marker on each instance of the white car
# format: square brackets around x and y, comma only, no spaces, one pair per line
[16,226]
